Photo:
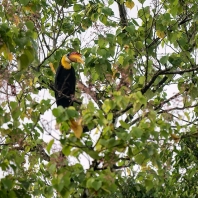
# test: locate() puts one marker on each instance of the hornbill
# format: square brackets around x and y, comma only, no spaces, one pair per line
[65,79]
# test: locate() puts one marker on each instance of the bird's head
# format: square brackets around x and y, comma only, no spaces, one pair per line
[75,57]
[71,57]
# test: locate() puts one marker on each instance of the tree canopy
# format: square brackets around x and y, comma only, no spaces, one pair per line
[136,99]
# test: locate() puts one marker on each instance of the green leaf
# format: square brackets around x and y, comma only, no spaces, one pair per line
[13,105]
[86,23]
[123,135]
[94,17]
[103,19]
[110,2]
[102,42]
[121,60]
[29,52]
[58,111]
[164,60]
[107,11]
[7,183]
[152,115]
[196,111]
[195,18]
[49,146]
[141,98]
[52,168]
[107,105]
[104,53]
[29,25]
[25,184]
[139,45]
[78,7]
[16,113]
[130,29]
[148,184]
[26,58]
[71,112]
[135,22]
[139,159]
[141,1]
[96,184]
[111,143]
[110,116]
[89,182]
[175,60]
[66,180]
[24,2]
[141,80]
[23,62]
[93,154]
[136,132]
[66,150]
[124,124]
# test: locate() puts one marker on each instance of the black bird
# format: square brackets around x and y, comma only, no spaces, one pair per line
[65,79]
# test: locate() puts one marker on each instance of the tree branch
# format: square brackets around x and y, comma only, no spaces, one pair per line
[180,71]
[123,14]
[177,108]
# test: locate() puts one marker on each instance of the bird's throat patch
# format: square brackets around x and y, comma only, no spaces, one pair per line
[65,62]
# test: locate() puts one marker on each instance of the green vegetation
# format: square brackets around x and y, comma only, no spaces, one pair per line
[140,124]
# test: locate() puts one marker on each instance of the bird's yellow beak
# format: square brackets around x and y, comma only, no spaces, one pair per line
[76,58]
[80,60]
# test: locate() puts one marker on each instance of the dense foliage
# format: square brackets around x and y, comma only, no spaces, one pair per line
[136,98]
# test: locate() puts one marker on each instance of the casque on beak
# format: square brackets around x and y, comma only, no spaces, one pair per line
[80,60]
[76,57]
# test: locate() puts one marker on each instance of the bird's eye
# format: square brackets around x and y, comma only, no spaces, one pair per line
[68,54]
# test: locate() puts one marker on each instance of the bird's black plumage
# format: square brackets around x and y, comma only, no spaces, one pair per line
[65,82]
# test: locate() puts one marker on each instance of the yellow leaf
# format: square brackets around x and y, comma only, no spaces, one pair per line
[35,79]
[16,19]
[30,82]
[52,67]
[97,130]
[6,52]
[175,137]
[98,147]
[29,113]
[126,47]
[128,171]
[10,57]
[130,4]
[160,34]
[28,9]
[145,168]
[114,73]
[84,26]
[76,126]
[5,131]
